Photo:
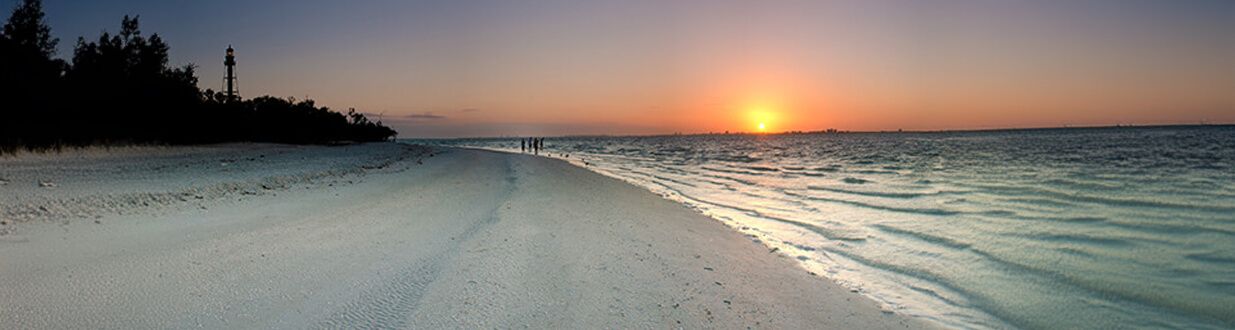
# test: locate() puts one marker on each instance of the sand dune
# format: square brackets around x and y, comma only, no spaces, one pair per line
[379,235]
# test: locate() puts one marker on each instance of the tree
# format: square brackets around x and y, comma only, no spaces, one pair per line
[28,74]
[120,89]
[127,92]
[26,30]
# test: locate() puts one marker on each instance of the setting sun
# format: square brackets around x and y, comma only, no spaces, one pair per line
[763,118]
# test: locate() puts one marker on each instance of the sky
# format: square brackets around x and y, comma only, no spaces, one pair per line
[548,67]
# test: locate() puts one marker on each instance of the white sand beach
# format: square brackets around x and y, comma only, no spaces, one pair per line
[379,235]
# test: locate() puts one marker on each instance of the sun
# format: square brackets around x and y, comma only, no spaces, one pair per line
[762,118]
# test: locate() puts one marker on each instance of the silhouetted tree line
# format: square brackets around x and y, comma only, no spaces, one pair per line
[120,89]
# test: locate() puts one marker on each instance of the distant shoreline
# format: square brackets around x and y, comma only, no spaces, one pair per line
[824,132]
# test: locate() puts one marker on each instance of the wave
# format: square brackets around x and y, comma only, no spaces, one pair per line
[722,177]
[1074,239]
[737,158]
[714,169]
[1022,191]
[803,173]
[938,240]
[897,195]
[852,180]
[1212,257]
[1070,217]
[918,211]
[761,168]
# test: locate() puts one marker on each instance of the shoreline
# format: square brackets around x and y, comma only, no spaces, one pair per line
[999,231]
[451,237]
[784,250]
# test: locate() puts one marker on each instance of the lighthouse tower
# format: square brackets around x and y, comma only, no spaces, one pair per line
[233,92]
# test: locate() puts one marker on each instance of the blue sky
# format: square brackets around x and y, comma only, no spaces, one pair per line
[463,68]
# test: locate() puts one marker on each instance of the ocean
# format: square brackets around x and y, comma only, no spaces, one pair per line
[1036,229]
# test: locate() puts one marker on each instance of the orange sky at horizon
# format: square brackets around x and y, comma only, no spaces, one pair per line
[780,66]
[564,67]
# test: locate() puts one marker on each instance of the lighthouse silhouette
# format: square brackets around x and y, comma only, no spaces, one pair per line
[232,88]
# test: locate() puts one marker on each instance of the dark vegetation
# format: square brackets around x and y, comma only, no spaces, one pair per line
[119,89]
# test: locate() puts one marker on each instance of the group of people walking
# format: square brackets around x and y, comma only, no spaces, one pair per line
[532,144]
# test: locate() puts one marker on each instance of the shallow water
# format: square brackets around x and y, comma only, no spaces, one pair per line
[1088,228]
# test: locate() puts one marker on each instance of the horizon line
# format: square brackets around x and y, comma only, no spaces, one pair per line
[839,131]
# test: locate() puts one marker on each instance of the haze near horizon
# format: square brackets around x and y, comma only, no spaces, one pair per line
[493,68]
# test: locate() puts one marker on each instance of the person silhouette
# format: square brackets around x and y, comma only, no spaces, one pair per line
[522,145]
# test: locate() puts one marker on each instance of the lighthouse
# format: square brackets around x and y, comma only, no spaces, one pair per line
[233,93]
